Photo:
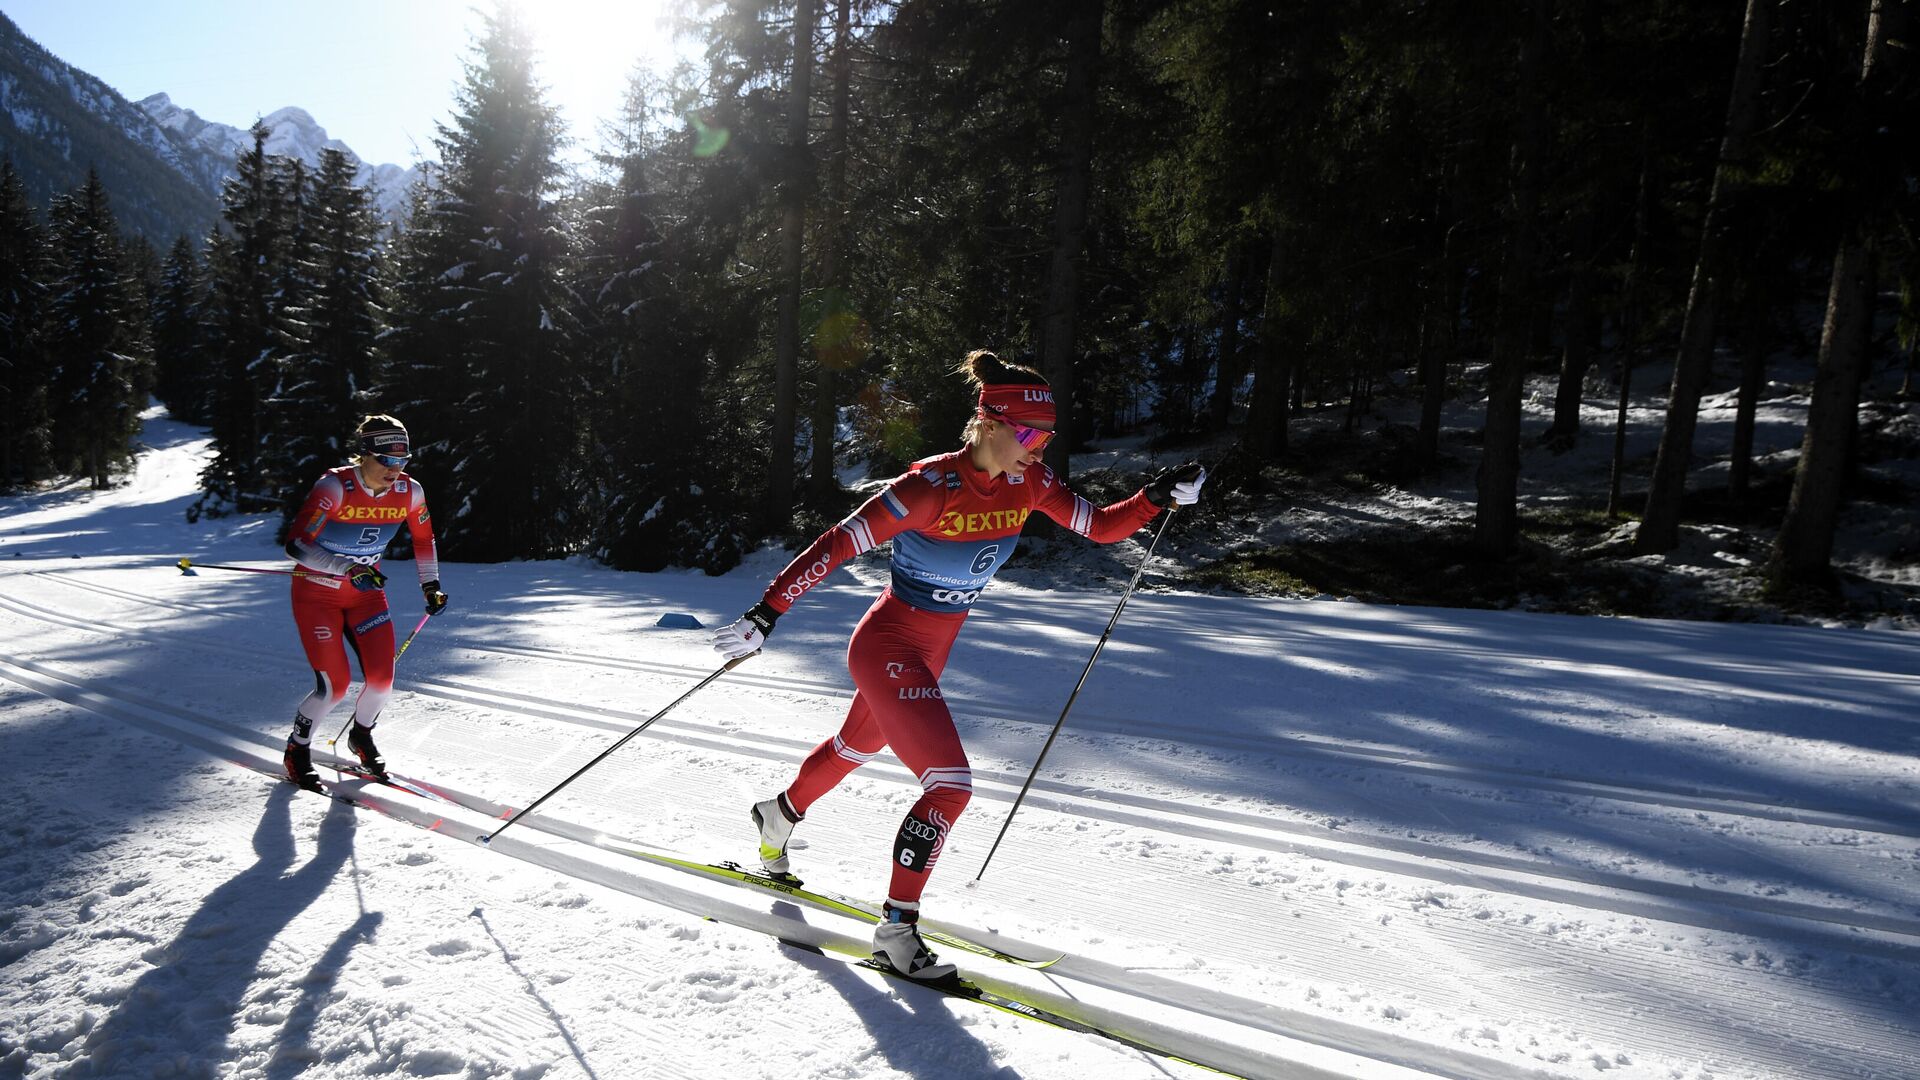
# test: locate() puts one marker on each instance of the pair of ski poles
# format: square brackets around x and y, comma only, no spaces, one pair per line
[186,566]
[736,661]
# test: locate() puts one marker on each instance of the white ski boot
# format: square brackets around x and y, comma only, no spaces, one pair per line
[775,820]
[897,944]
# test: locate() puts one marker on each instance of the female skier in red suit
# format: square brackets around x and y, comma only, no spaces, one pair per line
[953,520]
[340,533]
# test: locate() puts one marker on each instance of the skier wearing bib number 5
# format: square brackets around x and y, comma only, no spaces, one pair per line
[341,531]
[953,520]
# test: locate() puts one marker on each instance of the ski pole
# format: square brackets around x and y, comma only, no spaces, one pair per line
[396,659]
[1122,606]
[701,685]
[402,651]
[187,566]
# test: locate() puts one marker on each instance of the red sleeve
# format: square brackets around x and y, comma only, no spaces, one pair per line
[909,502]
[426,556]
[302,539]
[1102,525]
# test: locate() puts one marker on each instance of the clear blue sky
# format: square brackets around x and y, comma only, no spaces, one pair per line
[377,75]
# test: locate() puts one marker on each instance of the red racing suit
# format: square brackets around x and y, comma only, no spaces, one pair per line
[340,526]
[952,528]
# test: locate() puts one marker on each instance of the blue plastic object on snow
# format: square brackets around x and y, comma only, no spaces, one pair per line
[674,620]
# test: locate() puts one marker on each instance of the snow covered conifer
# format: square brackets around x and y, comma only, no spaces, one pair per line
[246,280]
[25,426]
[97,338]
[484,348]
[182,380]
[326,328]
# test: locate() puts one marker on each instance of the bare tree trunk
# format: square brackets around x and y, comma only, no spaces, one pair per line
[1266,433]
[1230,369]
[1496,518]
[1754,341]
[1660,526]
[1632,320]
[1803,552]
[793,224]
[1582,330]
[1070,222]
[834,345]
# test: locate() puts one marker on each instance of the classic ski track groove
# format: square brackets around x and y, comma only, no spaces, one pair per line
[1668,796]
[1675,902]
[215,737]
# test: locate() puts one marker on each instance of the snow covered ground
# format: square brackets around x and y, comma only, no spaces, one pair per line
[1282,838]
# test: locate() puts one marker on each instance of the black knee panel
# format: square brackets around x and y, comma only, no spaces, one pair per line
[918,839]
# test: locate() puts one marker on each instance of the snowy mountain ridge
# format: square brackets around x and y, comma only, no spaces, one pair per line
[162,164]
[293,132]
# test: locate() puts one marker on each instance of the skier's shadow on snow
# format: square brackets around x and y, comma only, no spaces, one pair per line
[912,1029]
[183,1008]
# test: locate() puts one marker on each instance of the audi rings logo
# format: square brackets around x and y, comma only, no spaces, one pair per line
[955,596]
[919,830]
[810,577]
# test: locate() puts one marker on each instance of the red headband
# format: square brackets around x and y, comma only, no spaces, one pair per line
[1028,405]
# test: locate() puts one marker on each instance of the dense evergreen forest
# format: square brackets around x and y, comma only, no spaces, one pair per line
[1199,219]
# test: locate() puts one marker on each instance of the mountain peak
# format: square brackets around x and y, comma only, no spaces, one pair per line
[293,116]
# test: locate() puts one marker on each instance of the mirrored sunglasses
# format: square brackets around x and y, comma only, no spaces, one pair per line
[391,461]
[1032,438]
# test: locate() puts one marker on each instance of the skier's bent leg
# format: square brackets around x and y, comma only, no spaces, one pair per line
[923,832]
[855,744]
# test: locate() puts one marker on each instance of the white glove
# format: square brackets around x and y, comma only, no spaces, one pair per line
[1178,486]
[745,635]
[1187,492]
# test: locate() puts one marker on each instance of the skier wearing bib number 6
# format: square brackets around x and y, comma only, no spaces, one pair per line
[953,520]
[340,533]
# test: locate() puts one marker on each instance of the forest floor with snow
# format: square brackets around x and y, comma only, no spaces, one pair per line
[1350,513]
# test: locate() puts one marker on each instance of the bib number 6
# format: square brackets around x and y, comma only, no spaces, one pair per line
[984,561]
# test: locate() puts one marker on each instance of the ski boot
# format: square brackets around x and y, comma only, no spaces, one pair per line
[898,945]
[361,743]
[775,820]
[299,765]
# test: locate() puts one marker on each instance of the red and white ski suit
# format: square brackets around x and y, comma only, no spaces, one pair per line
[952,528]
[343,525]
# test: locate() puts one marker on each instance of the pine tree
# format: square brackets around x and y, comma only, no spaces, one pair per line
[182,380]
[25,423]
[97,339]
[489,384]
[328,324]
[642,340]
[247,276]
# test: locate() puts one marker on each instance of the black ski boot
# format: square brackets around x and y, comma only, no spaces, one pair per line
[299,763]
[361,743]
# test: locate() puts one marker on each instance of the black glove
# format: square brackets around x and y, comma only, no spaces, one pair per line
[366,578]
[436,600]
[1180,484]
[746,634]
